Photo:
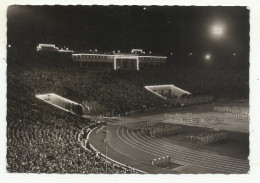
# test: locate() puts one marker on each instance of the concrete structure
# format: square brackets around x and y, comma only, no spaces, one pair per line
[170,90]
[52,48]
[120,61]
[47,47]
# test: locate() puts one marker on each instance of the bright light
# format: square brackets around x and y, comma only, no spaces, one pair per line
[171,53]
[207,56]
[144,8]
[9,46]
[118,51]
[234,54]
[217,30]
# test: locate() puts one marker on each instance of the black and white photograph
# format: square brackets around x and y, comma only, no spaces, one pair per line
[140,89]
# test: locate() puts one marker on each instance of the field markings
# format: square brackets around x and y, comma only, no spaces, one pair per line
[126,155]
[186,150]
[157,155]
[182,153]
[151,150]
[110,159]
[177,155]
[156,152]
[102,127]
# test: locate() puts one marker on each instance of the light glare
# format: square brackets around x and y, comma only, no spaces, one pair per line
[207,56]
[217,30]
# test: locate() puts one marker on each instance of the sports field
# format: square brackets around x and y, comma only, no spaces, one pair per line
[137,149]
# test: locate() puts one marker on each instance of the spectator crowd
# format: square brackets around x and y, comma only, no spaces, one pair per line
[43,139]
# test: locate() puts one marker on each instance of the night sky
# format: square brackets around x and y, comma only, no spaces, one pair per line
[158,29]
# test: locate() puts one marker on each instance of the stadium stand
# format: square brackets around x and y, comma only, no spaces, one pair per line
[43,139]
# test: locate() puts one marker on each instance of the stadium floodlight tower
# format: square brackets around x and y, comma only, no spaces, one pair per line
[121,61]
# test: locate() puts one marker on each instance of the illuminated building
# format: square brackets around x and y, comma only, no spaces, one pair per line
[135,60]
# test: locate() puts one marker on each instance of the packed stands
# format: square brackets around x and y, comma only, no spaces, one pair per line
[43,139]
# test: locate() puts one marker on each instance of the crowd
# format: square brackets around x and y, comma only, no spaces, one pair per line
[221,81]
[120,92]
[188,99]
[213,120]
[195,99]
[209,137]
[233,109]
[139,125]
[118,96]
[197,119]
[234,112]
[154,129]
[161,130]
[44,139]
[77,109]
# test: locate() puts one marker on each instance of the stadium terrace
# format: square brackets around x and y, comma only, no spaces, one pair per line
[135,60]
[75,110]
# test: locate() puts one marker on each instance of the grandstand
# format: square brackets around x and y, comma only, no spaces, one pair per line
[37,130]
[120,61]
[170,90]
[83,101]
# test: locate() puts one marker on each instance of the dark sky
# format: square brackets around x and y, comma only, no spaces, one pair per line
[106,28]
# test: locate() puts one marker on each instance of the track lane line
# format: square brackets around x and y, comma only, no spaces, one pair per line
[174,147]
[187,155]
[160,155]
[246,162]
[198,162]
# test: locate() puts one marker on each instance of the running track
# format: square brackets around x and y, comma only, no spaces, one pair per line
[137,149]
[152,147]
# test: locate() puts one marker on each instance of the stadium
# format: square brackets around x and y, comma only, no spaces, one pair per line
[98,104]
